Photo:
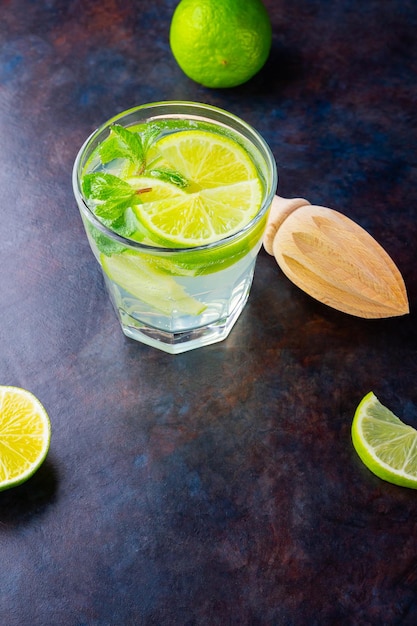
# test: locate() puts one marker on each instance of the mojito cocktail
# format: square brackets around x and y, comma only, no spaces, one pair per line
[174,197]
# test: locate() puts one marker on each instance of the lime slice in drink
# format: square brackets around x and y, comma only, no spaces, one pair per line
[25,434]
[207,159]
[386,445]
[224,192]
[138,277]
[153,193]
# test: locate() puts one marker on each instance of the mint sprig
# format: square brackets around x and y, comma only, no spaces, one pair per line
[111,197]
[125,144]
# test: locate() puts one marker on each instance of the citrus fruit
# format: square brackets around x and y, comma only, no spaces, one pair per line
[220,44]
[386,445]
[137,276]
[25,433]
[224,192]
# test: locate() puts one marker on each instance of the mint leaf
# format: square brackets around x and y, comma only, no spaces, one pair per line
[122,143]
[102,186]
[125,225]
[131,142]
[149,135]
[112,209]
[104,244]
[113,194]
[112,149]
[170,176]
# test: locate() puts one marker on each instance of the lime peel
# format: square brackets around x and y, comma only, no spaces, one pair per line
[386,445]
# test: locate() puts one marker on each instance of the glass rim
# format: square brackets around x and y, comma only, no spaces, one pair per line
[130,243]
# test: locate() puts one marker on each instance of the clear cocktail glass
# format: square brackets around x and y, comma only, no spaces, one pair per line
[170,295]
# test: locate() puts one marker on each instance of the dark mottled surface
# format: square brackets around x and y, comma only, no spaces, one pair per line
[219,487]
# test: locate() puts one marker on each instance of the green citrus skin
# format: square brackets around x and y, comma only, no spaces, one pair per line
[220,44]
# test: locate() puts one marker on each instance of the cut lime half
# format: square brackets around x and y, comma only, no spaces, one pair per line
[25,434]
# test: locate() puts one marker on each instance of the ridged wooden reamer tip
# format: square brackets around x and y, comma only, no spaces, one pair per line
[334,260]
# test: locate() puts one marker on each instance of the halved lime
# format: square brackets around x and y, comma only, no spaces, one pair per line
[386,445]
[138,276]
[25,433]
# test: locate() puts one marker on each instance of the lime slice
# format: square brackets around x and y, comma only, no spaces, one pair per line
[207,159]
[386,445]
[138,277]
[223,196]
[153,193]
[25,434]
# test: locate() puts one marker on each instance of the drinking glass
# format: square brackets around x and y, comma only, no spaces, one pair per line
[176,299]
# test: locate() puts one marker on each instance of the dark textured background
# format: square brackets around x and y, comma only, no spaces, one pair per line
[218,487]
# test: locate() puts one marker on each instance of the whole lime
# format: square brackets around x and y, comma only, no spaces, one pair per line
[220,43]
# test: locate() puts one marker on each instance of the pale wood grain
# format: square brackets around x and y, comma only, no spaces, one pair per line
[334,260]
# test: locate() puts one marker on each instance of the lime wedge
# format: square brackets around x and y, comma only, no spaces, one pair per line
[224,192]
[138,277]
[25,434]
[386,445]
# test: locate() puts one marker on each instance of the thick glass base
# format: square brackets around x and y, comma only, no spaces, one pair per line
[178,342]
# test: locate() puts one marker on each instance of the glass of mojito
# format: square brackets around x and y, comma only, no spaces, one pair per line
[174,198]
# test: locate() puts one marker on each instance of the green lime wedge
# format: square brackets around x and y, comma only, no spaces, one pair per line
[386,445]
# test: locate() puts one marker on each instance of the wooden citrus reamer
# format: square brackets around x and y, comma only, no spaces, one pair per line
[334,260]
